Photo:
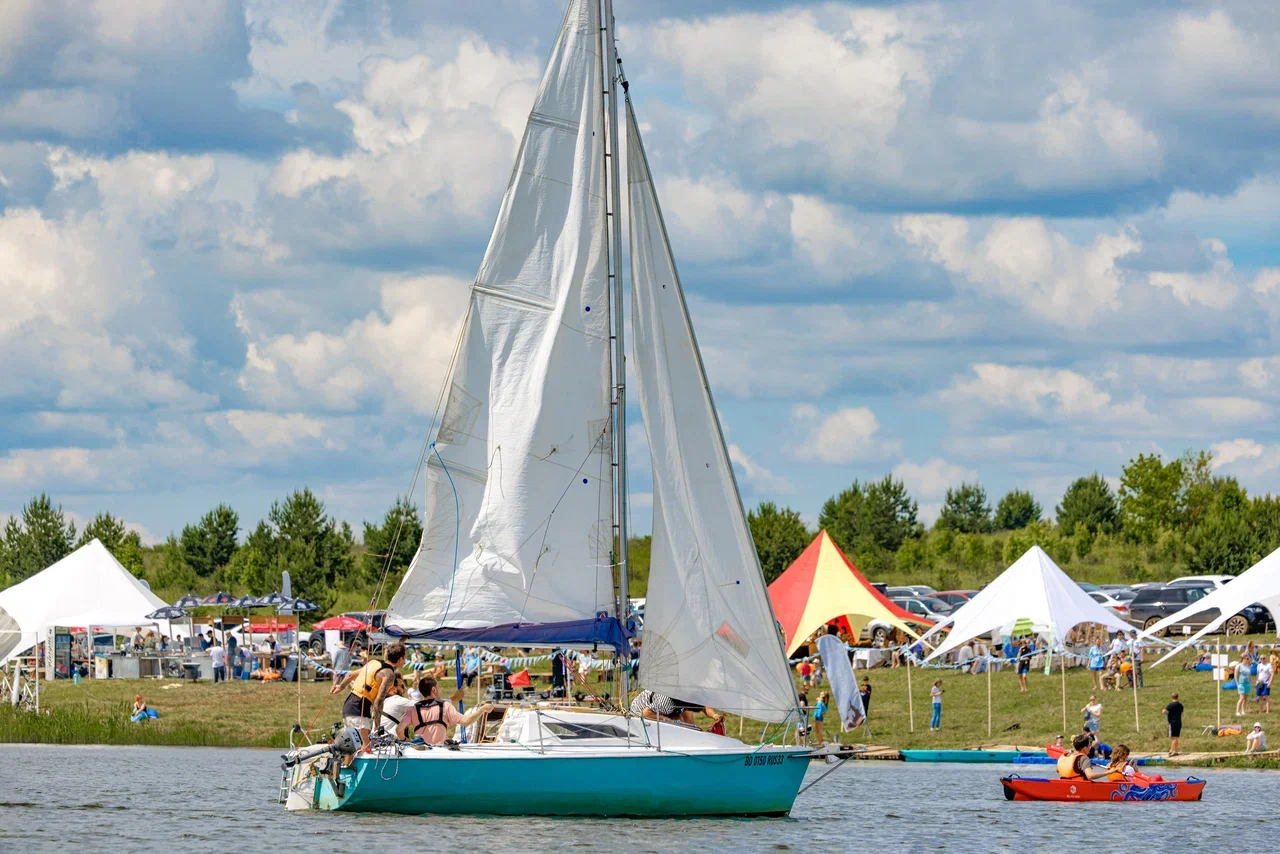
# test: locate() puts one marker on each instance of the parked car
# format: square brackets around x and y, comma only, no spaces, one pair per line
[909,590]
[1198,580]
[377,620]
[923,607]
[1111,603]
[1153,604]
[955,598]
[1088,587]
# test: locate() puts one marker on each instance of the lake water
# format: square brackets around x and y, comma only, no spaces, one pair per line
[205,799]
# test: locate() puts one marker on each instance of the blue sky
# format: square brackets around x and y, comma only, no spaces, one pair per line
[1015,242]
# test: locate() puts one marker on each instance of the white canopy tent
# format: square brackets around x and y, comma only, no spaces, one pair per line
[1034,588]
[1259,584]
[88,587]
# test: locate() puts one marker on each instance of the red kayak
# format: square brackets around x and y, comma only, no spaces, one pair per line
[1033,789]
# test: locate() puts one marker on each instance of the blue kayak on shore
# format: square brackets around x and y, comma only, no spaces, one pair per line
[989,757]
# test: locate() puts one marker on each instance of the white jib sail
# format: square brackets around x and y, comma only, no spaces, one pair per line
[709,632]
[521,488]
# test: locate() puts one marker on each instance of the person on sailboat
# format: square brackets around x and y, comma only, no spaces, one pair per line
[369,687]
[654,706]
[431,717]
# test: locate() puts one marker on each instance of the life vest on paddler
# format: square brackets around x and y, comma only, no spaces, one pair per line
[365,685]
[1067,766]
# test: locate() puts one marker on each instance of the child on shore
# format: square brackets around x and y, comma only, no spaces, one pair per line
[935,694]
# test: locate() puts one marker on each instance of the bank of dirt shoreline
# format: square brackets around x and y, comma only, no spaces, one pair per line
[251,714]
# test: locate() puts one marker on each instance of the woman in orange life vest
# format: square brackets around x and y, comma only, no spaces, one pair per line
[1119,771]
[431,716]
[369,687]
[1076,765]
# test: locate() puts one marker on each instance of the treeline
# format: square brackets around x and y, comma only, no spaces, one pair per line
[1168,517]
[324,561]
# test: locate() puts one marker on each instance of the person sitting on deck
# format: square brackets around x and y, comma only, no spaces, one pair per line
[369,687]
[394,707]
[431,717]
[1076,764]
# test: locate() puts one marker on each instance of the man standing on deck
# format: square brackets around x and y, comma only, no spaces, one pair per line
[369,687]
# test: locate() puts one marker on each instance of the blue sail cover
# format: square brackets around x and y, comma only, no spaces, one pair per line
[604,630]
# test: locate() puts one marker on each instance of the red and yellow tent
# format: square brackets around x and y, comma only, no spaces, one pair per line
[822,585]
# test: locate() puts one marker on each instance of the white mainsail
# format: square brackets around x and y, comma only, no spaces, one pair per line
[709,631]
[518,516]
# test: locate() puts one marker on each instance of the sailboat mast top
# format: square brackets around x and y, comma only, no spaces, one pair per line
[612,157]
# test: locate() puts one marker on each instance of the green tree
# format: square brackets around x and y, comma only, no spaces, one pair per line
[1223,540]
[124,544]
[780,536]
[878,516]
[966,510]
[399,536]
[1151,493]
[247,571]
[312,547]
[209,545]
[1017,509]
[174,574]
[39,538]
[1090,504]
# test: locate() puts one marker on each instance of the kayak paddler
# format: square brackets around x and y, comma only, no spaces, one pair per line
[1076,765]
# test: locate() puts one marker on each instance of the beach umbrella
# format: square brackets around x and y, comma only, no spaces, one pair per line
[244,602]
[219,598]
[273,600]
[299,606]
[189,601]
[341,623]
[168,612]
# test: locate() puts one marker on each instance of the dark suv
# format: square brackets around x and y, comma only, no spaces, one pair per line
[1153,604]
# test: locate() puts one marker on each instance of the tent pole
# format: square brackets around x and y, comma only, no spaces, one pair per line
[911,710]
[1063,667]
[988,669]
[1137,724]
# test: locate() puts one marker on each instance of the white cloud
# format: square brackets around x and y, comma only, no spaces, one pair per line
[1054,394]
[32,468]
[1235,450]
[397,355]
[932,478]
[1026,262]
[761,480]
[1215,288]
[1221,410]
[840,437]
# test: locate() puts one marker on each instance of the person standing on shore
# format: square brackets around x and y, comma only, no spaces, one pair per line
[1266,672]
[1097,663]
[1024,665]
[218,658]
[935,694]
[1136,656]
[1173,712]
[1243,685]
[819,712]
[1093,714]
[865,691]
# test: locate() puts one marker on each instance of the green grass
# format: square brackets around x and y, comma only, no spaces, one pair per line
[257,715]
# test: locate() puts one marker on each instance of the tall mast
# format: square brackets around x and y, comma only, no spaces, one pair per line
[612,153]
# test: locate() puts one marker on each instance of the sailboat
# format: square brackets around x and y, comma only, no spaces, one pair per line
[526,514]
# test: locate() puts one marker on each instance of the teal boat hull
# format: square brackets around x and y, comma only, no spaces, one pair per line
[988,757]
[648,784]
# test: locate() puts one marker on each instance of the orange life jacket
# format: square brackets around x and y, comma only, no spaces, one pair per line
[1067,766]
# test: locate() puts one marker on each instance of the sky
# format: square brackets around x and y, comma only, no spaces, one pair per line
[1011,242]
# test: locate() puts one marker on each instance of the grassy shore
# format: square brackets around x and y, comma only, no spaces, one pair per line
[256,715]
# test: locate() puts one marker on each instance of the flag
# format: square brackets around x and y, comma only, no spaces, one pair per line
[521,679]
